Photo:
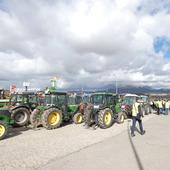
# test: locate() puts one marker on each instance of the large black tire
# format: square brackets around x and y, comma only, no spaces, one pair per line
[3,130]
[78,118]
[88,117]
[35,118]
[121,117]
[21,116]
[52,118]
[105,118]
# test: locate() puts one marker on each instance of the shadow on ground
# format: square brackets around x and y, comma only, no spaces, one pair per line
[16,131]
[139,163]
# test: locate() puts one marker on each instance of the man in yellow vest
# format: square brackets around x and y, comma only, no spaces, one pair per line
[167,107]
[160,106]
[136,117]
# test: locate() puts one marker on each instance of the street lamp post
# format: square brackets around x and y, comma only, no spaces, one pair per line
[116,84]
[26,85]
[116,87]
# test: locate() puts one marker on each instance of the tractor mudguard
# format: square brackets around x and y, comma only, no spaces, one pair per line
[21,106]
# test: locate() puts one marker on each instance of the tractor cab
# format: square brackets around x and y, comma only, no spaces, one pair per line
[20,106]
[56,99]
[54,111]
[103,109]
[29,99]
[102,100]
[145,99]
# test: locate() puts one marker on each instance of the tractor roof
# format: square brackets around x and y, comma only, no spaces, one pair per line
[103,93]
[131,95]
[57,93]
[25,93]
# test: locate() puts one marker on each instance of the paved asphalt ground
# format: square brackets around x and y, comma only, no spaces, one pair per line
[74,148]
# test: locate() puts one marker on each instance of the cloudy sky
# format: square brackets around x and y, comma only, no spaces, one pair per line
[85,42]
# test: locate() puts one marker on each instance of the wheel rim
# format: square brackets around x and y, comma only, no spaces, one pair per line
[107,118]
[20,117]
[79,119]
[122,118]
[2,130]
[54,118]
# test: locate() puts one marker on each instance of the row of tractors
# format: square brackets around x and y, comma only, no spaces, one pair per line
[52,109]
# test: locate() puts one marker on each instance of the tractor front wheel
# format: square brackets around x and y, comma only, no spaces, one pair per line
[35,118]
[52,118]
[3,129]
[78,118]
[121,117]
[105,118]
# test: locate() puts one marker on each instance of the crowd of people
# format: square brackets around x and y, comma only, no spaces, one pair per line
[162,106]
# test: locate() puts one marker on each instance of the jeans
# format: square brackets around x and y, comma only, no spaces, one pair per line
[160,110]
[166,111]
[134,120]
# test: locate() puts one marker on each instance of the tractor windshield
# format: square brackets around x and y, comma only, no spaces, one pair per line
[71,100]
[86,99]
[61,100]
[55,99]
[78,99]
[97,99]
[129,100]
[15,98]
[144,99]
[33,99]
[47,99]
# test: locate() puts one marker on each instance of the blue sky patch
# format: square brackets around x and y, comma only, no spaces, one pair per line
[3,6]
[162,44]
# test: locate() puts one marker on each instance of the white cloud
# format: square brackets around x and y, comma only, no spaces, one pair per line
[86,42]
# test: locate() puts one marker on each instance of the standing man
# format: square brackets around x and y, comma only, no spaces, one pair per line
[163,105]
[167,105]
[156,104]
[136,117]
[160,106]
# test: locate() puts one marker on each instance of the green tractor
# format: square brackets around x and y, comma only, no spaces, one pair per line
[103,110]
[20,106]
[53,112]
[57,108]
[5,122]
[76,106]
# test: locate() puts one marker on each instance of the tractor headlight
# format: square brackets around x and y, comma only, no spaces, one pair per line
[96,106]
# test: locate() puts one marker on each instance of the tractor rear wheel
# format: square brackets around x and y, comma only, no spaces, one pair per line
[52,118]
[105,118]
[35,118]
[21,116]
[3,129]
[78,118]
[121,117]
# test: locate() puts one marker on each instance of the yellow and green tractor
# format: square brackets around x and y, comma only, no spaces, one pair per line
[103,110]
[5,122]
[58,108]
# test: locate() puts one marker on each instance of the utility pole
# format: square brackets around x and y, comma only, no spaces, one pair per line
[26,85]
[116,87]
[116,84]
